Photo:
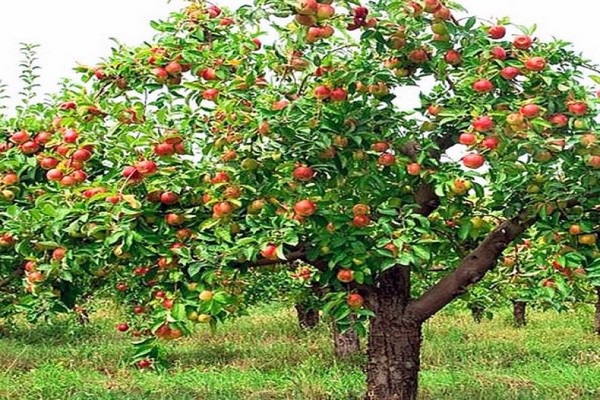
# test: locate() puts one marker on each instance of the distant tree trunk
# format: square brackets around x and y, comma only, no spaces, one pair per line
[477,313]
[308,317]
[519,308]
[597,327]
[83,317]
[345,343]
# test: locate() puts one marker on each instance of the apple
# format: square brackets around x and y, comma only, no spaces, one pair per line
[213,11]
[588,239]
[575,229]
[483,124]
[143,364]
[413,169]
[10,179]
[387,159]
[210,94]
[391,247]
[355,300]
[69,105]
[510,73]
[226,21]
[124,327]
[222,209]
[433,111]
[535,64]
[20,137]
[418,56]
[269,252]
[560,120]
[483,85]
[305,208]
[160,74]
[146,167]
[361,221]
[380,147]
[206,295]
[530,110]
[345,275]
[168,303]
[322,92]
[169,198]
[173,219]
[361,209]
[577,108]
[70,136]
[173,68]
[522,42]
[42,138]
[132,174]
[473,160]
[498,53]
[497,31]
[280,105]
[307,7]
[338,94]
[54,175]
[467,138]
[452,57]
[461,186]
[81,155]
[515,119]
[594,162]
[324,11]
[491,142]
[59,253]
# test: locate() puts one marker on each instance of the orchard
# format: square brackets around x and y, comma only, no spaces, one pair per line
[272,137]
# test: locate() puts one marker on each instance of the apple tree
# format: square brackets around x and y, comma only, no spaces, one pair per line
[237,140]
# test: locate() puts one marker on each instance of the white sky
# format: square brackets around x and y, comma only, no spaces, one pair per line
[71,31]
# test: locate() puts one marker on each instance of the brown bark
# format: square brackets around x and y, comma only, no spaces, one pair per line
[345,343]
[394,340]
[308,317]
[597,322]
[519,309]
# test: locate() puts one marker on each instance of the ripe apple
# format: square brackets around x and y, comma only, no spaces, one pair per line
[160,74]
[164,149]
[210,94]
[387,159]
[222,209]
[522,42]
[173,219]
[452,57]
[361,209]
[142,364]
[483,85]
[577,108]
[497,32]
[70,136]
[498,53]
[594,162]
[59,253]
[361,221]
[20,137]
[418,56]
[588,239]
[54,175]
[169,198]
[461,186]
[305,208]
[510,73]
[467,138]
[355,300]
[146,167]
[338,94]
[307,7]
[560,120]
[173,68]
[413,169]
[575,229]
[535,64]
[81,155]
[124,327]
[483,124]
[391,247]
[491,142]
[322,92]
[269,252]
[473,160]
[345,275]
[530,110]
[324,11]
[380,146]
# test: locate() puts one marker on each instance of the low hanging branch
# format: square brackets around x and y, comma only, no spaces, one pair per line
[470,271]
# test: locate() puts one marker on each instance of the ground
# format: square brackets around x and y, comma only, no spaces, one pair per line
[266,357]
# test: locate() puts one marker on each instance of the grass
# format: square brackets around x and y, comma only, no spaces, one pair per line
[266,357]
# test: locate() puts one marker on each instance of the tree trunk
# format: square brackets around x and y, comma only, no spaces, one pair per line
[308,317]
[519,308]
[477,313]
[345,343]
[597,327]
[394,340]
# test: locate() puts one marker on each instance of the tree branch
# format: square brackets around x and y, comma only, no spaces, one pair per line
[471,270]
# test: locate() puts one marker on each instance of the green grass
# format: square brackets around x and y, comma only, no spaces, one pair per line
[266,357]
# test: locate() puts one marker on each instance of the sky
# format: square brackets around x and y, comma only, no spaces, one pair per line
[72,31]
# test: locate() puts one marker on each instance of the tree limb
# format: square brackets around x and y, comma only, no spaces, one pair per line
[471,270]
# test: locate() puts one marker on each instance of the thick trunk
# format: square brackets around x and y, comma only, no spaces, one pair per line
[308,317]
[345,343]
[519,308]
[477,313]
[394,340]
[597,327]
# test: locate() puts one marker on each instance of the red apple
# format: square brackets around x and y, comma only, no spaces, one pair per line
[483,124]
[498,53]
[510,73]
[535,64]
[413,169]
[269,252]
[355,300]
[578,108]
[361,221]
[490,142]
[497,31]
[467,138]
[473,160]
[345,275]
[483,85]
[530,110]
[303,173]
[305,208]
[523,42]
